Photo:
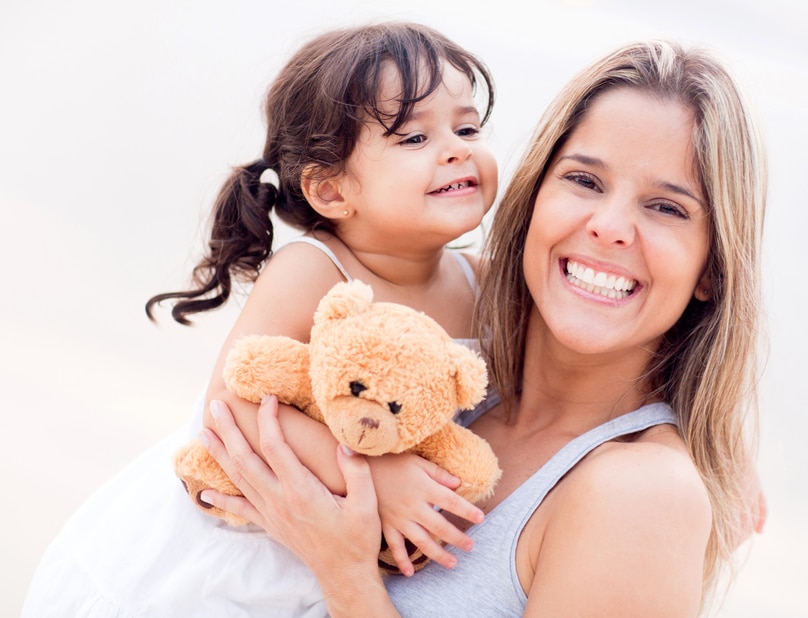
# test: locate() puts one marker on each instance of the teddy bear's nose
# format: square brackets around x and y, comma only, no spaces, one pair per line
[370,423]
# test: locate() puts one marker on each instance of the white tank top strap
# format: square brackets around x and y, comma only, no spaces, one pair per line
[468,271]
[324,248]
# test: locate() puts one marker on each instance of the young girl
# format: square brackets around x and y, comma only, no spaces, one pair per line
[622,300]
[374,149]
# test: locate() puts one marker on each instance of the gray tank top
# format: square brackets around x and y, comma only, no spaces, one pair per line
[484,582]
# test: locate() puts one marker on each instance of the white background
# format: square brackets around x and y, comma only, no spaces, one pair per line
[118,122]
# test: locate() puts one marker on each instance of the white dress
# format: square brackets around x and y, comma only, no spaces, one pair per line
[139,548]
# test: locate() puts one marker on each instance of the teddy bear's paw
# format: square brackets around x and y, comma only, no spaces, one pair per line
[198,471]
[387,564]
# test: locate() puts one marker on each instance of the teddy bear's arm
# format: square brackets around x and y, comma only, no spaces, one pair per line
[261,364]
[463,453]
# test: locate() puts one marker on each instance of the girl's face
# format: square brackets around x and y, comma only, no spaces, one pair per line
[430,182]
[619,237]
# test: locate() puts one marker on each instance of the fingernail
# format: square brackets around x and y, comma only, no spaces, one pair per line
[265,399]
[203,438]
[205,497]
[215,409]
[346,450]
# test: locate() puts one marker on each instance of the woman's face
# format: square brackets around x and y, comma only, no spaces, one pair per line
[618,241]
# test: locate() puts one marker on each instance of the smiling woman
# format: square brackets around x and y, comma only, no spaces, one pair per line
[615,204]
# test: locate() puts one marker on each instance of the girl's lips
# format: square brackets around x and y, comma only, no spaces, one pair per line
[608,285]
[458,185]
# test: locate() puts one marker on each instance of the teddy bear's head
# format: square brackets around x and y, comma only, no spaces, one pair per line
[386,376]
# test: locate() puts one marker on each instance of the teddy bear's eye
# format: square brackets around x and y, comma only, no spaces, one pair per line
[357,387]
[394,406]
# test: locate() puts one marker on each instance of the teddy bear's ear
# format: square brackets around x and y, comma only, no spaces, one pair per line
[344,299]
[471,376]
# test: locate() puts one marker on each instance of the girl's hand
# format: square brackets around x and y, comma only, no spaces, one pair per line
[331,534]
[407,487]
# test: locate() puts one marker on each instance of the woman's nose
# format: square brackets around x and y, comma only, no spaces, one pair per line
[612,222]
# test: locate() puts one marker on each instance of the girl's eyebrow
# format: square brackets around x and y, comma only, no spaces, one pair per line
[663,184]
[461,110]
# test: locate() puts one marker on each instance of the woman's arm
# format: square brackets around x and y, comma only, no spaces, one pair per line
[338,538]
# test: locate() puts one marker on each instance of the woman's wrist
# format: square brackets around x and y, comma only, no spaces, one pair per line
[357,592]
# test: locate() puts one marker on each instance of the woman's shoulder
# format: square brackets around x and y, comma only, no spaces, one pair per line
[653,472]
[633,520]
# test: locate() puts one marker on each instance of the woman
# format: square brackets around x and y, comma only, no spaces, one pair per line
[627,246]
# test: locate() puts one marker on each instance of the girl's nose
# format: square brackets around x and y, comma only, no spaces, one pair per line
[612,222]
[456,150]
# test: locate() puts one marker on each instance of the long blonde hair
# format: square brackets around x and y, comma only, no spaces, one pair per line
[706,366]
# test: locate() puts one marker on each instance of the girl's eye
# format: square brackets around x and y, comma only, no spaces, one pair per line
[414,139]
[584,180]
[468,132]
[670,208]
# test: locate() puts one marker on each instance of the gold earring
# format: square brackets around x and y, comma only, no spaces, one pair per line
[344,213]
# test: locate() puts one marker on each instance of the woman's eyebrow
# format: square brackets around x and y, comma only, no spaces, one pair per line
[662,184]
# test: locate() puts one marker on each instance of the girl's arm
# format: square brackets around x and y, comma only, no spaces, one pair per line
[283,302]
[338,538]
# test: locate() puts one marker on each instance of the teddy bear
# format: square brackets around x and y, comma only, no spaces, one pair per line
[383,377]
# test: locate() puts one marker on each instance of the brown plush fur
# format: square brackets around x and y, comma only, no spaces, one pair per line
[384,378]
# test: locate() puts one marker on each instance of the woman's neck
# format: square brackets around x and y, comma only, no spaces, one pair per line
[563,386]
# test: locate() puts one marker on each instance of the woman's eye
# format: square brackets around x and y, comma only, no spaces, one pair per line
[585,180]
[669,208]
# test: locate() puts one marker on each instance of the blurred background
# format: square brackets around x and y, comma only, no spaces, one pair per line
[118,123]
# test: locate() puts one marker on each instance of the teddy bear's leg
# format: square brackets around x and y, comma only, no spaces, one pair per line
[198,470]
[387,564]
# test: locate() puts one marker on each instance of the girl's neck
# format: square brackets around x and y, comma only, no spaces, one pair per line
[428,281]
[415,268]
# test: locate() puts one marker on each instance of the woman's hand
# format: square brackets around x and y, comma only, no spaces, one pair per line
[407,487]
[328,532]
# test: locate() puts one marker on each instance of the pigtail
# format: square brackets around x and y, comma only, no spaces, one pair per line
[240,242]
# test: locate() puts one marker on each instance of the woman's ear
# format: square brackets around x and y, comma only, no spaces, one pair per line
[704,289]
[323,194]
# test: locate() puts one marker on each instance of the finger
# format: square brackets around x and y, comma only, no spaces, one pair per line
[437,526]
[451,502]
[238,505]
[273,445]
[398,548]
[358,479]
[442,476]
[235,455]
[432,548]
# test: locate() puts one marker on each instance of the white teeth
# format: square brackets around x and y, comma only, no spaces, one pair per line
[610,286]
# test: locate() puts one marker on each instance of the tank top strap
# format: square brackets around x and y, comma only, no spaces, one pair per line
[468,271]
[324,248]
[565,459]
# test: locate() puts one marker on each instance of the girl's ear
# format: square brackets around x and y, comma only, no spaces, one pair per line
[323,194]
[704,289]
